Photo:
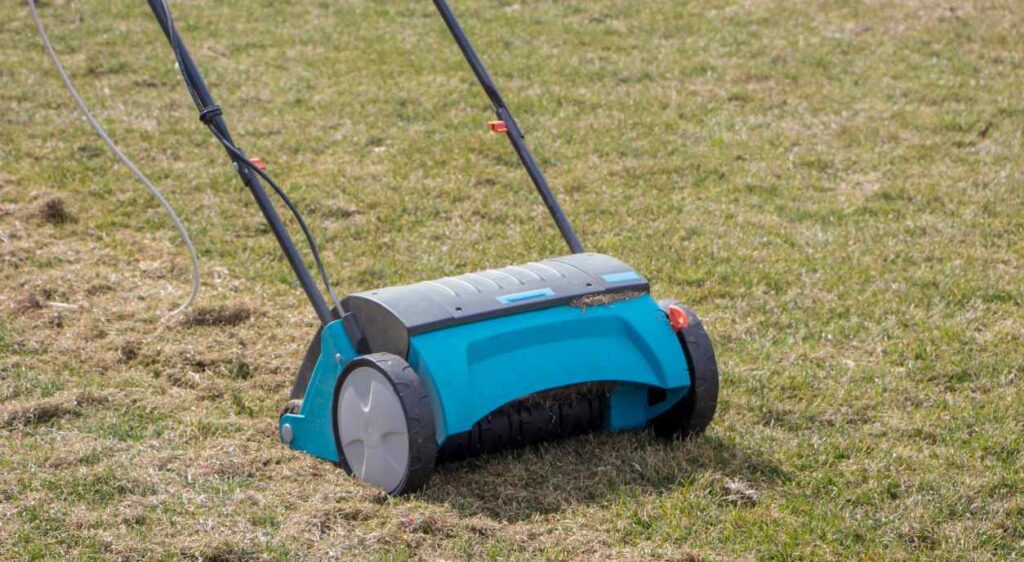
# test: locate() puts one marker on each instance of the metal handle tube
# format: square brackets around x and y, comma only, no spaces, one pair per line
[514,133]
[203,99]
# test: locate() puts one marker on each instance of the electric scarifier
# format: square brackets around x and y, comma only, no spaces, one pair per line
[400,378]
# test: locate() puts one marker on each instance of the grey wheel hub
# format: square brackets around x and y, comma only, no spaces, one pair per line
[372,429]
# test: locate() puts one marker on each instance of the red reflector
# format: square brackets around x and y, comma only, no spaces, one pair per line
[258,162]
[498,127]
[678,318]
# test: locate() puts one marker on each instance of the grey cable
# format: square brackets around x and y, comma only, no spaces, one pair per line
[124,160]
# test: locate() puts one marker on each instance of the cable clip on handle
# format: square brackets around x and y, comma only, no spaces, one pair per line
[209,113]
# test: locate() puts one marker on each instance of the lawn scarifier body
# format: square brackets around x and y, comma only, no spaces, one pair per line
[399,377]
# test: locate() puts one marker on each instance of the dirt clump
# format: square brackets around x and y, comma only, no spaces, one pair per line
[29,302]
[220,315]
[43,411]
[54,211]
[127,351]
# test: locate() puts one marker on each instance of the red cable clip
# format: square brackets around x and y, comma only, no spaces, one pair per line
[258,162]
[498,127]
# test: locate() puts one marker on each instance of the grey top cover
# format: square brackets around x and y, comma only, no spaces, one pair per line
[389,317]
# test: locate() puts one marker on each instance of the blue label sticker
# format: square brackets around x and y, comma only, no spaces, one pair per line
[620,277]
[525,296]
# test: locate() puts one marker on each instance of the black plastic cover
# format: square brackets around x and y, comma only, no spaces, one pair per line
[389,317]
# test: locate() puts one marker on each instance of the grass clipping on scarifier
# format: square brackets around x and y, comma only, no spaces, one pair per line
[601,299]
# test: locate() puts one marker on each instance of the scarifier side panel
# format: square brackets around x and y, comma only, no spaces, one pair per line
[474,369]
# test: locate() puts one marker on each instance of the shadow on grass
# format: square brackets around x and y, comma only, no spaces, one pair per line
[590,469]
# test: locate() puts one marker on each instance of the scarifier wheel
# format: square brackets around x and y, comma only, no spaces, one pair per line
[691,415]
[383,424]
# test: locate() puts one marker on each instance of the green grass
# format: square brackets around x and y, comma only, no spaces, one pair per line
[836,187]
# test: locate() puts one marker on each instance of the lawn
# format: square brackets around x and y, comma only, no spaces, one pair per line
[837,188]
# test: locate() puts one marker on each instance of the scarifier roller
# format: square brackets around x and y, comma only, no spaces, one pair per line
[400,378]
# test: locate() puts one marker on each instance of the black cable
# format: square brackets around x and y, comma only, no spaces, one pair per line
[208,116]
[239,156]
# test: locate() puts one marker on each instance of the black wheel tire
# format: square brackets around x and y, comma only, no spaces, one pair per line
[691,415]
[419,417]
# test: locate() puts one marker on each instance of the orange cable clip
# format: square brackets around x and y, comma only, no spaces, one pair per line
[498,127]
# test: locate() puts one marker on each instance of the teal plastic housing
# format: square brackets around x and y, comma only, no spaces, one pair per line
[473,369]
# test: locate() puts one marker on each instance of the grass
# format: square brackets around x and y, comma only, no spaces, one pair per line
[835,186]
